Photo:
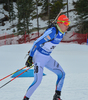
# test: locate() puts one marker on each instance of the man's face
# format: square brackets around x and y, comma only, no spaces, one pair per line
[63,27]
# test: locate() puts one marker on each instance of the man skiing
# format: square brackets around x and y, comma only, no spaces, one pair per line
[40,56]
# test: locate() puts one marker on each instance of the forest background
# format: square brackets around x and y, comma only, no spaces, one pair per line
[27,10]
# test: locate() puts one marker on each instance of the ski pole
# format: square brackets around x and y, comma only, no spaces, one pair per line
[16,76]
[12,73]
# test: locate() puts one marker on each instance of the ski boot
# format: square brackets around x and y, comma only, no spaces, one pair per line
[25,98]
[56,96]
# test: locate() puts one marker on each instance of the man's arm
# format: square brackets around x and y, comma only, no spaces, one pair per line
[47,36]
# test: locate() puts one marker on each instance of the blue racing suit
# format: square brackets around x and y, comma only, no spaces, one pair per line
[40,51]
[47,42]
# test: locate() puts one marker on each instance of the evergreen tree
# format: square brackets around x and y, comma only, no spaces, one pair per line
[45,6]
[81,7]
[25,11]
[11,11]
[55,8]
[8,6]
[37,16]
[51,8]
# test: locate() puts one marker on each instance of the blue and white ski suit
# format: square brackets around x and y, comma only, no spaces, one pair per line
[40,51]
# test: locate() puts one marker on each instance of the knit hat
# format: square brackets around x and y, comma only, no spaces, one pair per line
[63,19]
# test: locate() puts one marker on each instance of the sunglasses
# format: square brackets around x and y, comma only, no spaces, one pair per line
[64,22]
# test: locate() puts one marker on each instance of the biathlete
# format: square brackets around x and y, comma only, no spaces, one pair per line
[40,56]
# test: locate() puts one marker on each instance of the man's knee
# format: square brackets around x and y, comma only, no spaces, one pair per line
[61,74]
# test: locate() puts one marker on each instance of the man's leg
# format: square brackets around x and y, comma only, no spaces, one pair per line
[55,67]
[38,73]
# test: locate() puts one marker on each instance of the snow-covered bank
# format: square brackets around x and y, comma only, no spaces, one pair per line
[5,29]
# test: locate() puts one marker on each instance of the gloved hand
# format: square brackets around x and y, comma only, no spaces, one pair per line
[29,61]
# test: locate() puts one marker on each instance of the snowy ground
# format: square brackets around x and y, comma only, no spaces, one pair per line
[72,57]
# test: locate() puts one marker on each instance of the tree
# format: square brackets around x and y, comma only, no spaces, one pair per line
[25,12]
[45,6]
[55,8]
[11,11]
[46,9]
[51,8]
[37,17]
[8,6]
[81,8]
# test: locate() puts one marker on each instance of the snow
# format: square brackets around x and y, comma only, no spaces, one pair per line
[3,29]
[72,57]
